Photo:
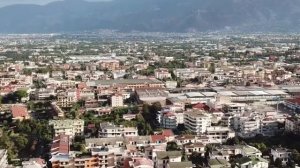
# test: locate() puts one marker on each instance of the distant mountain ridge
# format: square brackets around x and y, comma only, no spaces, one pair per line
[153,16]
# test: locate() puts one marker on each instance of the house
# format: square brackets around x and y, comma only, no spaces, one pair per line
[281,153]
[19,112]
[180,165]
[218,163]
[163,158]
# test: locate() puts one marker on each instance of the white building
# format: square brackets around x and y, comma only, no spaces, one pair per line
[197,121]
[68,127]
[219,134]
[281,153]
[162,73]
[108,130]
[117,100]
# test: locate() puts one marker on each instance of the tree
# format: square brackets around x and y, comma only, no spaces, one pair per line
[278,163]
[172,146]
[212,68]
[19,94]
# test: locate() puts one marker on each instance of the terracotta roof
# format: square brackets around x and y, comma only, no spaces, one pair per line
[167,133]
[19,110]
[155,138]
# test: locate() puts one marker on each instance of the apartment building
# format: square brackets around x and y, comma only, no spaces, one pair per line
[197,121]
[168,120]
[292,125]
[66,99]
[117,100]
[162,73]
[108,130]
[281,153]
[67,127]
[218,134]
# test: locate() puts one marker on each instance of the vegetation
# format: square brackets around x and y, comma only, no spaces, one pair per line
[28,138]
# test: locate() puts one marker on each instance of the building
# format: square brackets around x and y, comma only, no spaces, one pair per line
[163,158]
[127,83]
[19,112]
[162,73]
[292,125]
[117,100]
[219,134]
[197,121]
[66,99]
[151,96]
[281,153]
[108,130]
[60,145]
[59,161]
[180,165]
[248,127]
[67,127]
[168,120]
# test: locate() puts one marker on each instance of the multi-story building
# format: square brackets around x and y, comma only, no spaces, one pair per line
[43,94]
[197,121]
[281,153]
[236,108]
[162,73]
[108,130]
[219,134]
[169,120]
[67,127]
[110,64]
[66,99]
[117,100]
[248,127]
[292,125]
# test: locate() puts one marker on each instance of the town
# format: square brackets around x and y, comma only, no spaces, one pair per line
[144,100]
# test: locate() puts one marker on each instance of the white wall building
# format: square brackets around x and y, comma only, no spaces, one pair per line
[197,121]
[68,127]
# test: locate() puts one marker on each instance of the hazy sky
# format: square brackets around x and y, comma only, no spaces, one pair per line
[40,2]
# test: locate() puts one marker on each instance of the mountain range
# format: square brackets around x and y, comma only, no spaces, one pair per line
[153,16]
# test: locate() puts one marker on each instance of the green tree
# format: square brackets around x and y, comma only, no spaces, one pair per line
[278,163]
[172,146]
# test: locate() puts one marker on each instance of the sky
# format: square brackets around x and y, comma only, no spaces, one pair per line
[38,2]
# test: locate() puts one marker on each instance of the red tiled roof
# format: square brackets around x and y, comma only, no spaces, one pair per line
[167,133]
[19,110]
[201,106]
[294,101]
[155,138]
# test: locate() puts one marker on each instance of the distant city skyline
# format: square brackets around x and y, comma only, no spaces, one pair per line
[4,3]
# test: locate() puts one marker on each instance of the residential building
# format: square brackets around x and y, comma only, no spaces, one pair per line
[117,100]
[219,134]
[282,154]
[67,127]
[108,130]
[197,121]
[163,158]
[19,112]
[162,73]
